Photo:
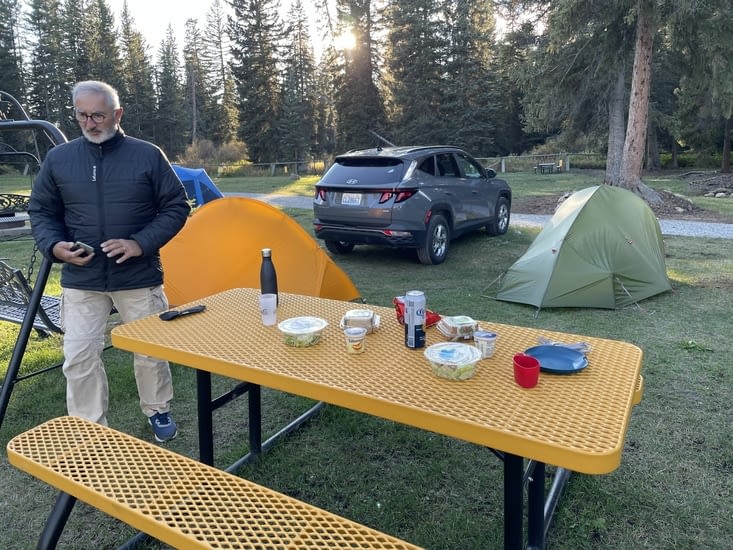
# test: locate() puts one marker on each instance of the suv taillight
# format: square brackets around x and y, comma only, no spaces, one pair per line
[320,193]
[404,195]
[399,196]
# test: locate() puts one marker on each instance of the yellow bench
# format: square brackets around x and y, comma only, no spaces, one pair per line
[175,499]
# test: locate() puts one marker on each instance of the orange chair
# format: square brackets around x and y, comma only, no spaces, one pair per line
[220,248]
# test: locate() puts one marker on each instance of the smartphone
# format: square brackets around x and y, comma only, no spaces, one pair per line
[88,249]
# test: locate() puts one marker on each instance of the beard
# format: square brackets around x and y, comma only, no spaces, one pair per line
[98,135]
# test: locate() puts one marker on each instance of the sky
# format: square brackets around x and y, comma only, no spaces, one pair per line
[152,17]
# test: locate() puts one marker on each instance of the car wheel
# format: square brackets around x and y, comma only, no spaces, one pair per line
[500,223]
[339,247]
[435,248]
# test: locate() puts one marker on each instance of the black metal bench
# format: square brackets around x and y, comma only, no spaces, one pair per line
[13,208]
[15,295]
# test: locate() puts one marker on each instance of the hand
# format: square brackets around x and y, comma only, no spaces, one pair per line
[124,248]
[64,251]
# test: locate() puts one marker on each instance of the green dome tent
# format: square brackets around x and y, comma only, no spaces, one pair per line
[603,248]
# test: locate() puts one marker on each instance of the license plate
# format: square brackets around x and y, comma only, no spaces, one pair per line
[351,199]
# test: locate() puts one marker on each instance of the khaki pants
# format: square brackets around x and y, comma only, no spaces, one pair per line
[84,316]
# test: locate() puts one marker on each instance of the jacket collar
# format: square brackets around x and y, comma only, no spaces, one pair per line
[110,144]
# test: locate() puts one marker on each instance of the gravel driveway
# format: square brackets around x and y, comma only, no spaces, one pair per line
[669,227]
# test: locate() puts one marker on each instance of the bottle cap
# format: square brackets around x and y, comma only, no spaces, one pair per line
[266,252]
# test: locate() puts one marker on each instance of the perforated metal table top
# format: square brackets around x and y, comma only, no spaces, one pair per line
[176,499]
[575,421]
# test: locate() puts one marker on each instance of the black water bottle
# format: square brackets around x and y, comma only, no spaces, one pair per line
[268,277]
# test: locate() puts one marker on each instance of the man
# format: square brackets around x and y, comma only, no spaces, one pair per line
[120,196]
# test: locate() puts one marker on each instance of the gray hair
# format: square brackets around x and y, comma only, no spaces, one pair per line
[96,87]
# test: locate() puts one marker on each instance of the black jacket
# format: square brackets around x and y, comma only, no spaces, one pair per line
[123,188]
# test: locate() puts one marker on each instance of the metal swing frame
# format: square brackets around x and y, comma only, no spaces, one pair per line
[36,296]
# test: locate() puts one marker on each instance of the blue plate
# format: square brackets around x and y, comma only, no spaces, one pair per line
[558,359]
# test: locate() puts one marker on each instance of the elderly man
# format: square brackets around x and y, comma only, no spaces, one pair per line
[104,204]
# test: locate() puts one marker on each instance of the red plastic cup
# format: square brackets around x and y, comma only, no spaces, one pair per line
[526,370]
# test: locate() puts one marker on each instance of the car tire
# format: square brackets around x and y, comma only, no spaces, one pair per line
[500,223]
[437,241]
[339,247]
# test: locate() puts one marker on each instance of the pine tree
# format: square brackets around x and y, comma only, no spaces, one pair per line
[138,94]
[507,62]
[359,102]
[171,120]
[416,91]
[215,52]
[198,84]
[11,63]
[256,34]
[76,25]
[296,124]
[104,51]
[48,93]
[471,99]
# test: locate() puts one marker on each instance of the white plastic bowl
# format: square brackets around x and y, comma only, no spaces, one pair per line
[453,360]
[301,332]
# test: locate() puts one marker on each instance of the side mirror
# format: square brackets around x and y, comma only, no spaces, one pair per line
[490,173]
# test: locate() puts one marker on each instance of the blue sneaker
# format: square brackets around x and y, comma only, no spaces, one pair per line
[163,427]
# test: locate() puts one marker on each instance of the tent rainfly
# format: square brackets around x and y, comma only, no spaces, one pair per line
[603,248]
[220,247]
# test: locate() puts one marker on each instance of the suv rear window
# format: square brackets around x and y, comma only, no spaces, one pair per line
[364,171]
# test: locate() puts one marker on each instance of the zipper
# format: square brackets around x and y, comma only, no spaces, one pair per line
[100,210]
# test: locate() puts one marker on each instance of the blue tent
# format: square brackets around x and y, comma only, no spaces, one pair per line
[198,184]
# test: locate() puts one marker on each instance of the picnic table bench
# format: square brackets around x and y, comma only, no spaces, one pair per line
[173,498]
[546,167]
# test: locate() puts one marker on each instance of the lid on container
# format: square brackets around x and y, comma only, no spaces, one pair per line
[359,314]
[360,318]
[266,252]
[452,353]
[355,332]
[302,325]
[460,326]
[459,321]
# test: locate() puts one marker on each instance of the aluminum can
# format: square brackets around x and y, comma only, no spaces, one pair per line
[415,319]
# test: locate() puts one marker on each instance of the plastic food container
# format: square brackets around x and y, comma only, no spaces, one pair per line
[355,339]
[457,327]
[453,360]
[301,332]
[361,318]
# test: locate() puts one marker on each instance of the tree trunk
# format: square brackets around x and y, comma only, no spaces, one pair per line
[616,106]
[652,147]
[634,146]
[725,165]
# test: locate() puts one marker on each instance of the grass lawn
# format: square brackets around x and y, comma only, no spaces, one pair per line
[674,487]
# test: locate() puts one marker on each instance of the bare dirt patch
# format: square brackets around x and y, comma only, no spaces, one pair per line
[673,207]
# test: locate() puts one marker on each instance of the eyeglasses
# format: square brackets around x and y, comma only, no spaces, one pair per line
[98,118]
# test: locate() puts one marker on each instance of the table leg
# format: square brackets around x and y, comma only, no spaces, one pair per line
[513,501]
[206,421]
[535,507]
[56,521]
[255,420]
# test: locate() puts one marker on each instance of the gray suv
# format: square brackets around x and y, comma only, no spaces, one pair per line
[417,197]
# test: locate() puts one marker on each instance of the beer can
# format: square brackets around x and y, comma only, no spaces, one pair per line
[415,319]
